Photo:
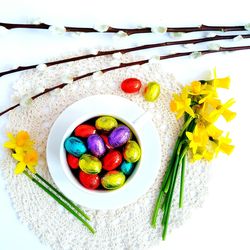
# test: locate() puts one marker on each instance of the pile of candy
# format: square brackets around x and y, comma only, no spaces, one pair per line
[102,153]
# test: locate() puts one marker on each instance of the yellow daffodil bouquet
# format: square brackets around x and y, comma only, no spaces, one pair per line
[199,139]
[24,153]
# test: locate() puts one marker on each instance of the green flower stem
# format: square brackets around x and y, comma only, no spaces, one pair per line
[189,119]
[59,201]
[170,194]
[166,188]
[165,179]
[168,199]
[156,209]
[186,124]
[190,128]
[168,202]
[182,181]
[63,197]
[169,172]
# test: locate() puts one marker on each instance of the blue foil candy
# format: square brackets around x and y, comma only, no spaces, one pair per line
[74,146]
[127,167]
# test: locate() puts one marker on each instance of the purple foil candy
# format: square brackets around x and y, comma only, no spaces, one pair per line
[96,145]
[119,136]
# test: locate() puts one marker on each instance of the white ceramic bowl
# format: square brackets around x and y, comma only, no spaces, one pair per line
[141,125]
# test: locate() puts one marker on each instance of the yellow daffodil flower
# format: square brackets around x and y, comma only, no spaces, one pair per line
[224,146]
[223,110]
[197,156]
[25,159]
[213,131]
[202,153]
[181,104]
[198,138]
[207,152]
[20,141]
[210,96]
[197,88]
[208,155]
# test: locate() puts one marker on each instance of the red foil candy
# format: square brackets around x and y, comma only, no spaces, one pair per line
[131,85]
[85,130]
[73,161]
[112,160]
[89,181]
[106,141]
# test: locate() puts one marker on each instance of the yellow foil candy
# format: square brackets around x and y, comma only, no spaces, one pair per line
[152,91]
[90,164]
[132,152]
[106,123]
[113,180]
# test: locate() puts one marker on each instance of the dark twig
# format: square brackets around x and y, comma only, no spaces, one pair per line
[128,31]
[127,50]
[123,65]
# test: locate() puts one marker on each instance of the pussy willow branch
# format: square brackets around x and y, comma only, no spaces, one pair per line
[128,31]
[127,50]
[123,65]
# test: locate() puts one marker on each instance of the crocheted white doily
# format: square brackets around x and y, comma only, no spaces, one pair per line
[124,228]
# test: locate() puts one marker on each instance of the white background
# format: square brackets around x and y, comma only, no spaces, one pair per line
[223,221]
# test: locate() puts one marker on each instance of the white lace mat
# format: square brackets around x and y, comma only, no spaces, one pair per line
[125,228]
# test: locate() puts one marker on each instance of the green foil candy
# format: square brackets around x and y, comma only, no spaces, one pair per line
[152,91]
[132,152]
[106,123]
[113,180]
[90,164]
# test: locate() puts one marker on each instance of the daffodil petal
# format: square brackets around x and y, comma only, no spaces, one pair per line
[208,155]
[222,82]
[179,114]
[20,167]
[9,144]
[213,131]
[226,149]
[229,103]
[189,135]
[18,157]
[228,115]
[190,111]
[197,157]
[10,136]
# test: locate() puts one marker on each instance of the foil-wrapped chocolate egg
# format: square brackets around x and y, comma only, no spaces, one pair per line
[113,180]
[74,146]
[112,160]
[106,123]
[84,130]
[89,181]
[132,152]
[96,145]
[90,164]
[73,161]
[127,167]
[106,141]
[119,136]
[131,85]
[152,91]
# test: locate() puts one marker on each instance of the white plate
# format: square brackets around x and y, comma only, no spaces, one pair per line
[129,113]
